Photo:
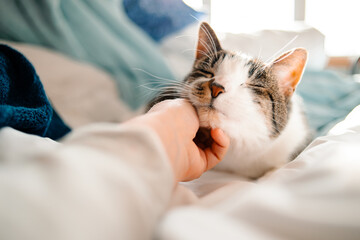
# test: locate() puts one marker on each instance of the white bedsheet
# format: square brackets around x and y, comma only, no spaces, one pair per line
[316,196]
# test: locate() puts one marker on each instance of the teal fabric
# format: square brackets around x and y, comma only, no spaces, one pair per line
[328,97]
[94,31]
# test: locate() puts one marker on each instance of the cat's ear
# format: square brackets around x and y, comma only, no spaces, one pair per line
[208,43]
[288,69]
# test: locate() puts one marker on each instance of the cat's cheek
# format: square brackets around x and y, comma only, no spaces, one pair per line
[209,118]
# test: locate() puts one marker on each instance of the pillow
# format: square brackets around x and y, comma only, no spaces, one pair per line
[270,43]
[179,49]
[160,18]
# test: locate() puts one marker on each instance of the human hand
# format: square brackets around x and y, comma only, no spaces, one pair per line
[176,122]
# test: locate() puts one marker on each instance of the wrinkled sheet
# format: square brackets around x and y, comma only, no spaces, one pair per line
[316,196]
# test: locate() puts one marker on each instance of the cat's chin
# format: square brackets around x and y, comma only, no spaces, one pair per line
[209,117]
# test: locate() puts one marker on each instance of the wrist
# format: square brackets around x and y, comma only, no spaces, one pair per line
[158,124]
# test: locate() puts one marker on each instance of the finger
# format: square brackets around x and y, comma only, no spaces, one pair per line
[168,103]
[220,137]
[192,120]
[218,148]
[178,114]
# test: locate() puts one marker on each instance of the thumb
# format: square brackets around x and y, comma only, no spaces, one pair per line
[218,149]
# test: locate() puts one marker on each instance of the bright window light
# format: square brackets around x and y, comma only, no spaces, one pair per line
[339,21]
[243,15]
[195,4]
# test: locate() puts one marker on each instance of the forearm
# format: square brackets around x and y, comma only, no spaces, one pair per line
[101,182]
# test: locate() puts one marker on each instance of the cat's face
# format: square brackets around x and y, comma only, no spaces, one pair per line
[241,95]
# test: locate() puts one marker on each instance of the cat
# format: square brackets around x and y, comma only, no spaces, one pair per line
[251,101]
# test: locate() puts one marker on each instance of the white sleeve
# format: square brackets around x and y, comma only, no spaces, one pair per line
[101,182]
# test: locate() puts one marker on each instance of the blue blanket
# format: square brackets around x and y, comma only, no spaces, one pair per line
[161,18]
[23,102]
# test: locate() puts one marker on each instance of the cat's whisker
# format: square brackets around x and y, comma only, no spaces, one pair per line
[166,95]
[208,34]
[267,62]
[152,75]
[149,93]
[206,46]
[259,53]
[158,88]
[205,54]
[278,126]
[177,89]
[209,37]
[198,20]
[177,86]
[253,118]
[165,89]
[205,65]
[281,119]
[208,49]
[259,71]
[188,36]
[160,82]
[148,88]
[188,50]
[276,102]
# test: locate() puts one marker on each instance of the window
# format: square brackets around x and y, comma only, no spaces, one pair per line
[338,20]
[244,15]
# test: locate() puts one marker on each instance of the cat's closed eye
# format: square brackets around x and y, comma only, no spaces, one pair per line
[250,100]
[252,85]
[199,73]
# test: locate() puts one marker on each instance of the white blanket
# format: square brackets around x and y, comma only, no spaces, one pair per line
[316,196]
[111,182]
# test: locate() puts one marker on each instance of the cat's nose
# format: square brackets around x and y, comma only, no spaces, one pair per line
[216,89]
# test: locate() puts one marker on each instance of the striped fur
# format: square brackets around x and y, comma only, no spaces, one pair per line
[257,108]
[254,104]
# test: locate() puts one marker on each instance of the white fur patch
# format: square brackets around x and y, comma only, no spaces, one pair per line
[232,72]
[252,151]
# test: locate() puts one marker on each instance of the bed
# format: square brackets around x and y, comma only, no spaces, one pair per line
[327,169]
[318,191]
